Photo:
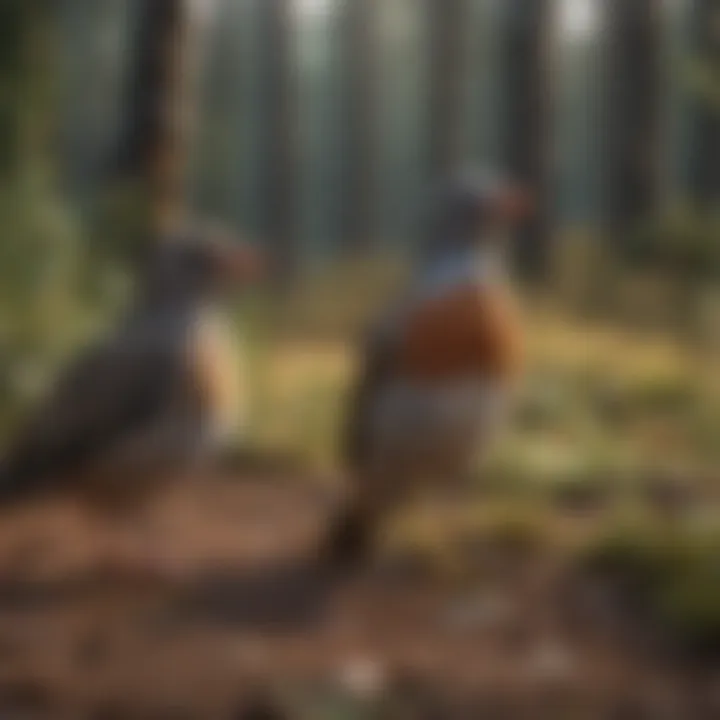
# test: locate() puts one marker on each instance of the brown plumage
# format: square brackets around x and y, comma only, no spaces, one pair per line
[438,369]
[468,331]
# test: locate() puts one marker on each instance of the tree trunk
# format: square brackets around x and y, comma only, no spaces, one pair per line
[13,27]
[154,146]
[27,115]
[705,115]
[446,32]
[360,122]
[633,122]
[525,122]
[280,151]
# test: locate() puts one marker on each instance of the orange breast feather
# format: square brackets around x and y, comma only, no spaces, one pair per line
[467,332]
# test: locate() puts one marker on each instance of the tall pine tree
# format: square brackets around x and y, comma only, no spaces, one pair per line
[279,224]
[447,142]
[632,113]
[154,145]
[704,137]
[359,38]
[526,105]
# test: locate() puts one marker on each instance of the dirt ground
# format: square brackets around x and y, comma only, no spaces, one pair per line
[252,629]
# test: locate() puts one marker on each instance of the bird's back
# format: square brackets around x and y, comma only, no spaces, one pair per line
[123,406]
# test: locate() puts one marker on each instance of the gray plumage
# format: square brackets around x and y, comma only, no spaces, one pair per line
[132,408]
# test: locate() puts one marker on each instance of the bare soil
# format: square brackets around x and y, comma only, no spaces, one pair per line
[251,623]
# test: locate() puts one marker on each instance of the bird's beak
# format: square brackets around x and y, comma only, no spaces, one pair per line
[512,205]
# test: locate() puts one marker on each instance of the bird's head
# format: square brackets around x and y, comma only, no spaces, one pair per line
[475,209]
[200,264]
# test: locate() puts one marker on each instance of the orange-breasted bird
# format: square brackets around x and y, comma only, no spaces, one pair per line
[145,404]
[439,367]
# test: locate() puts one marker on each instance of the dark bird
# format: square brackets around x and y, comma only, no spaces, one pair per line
[439,367]
[145,404]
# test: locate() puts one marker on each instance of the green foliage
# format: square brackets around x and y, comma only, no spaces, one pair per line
[117,242]
[586,432]
[703,80]
[671,394]
[40,316]
[41,251]
[671,575]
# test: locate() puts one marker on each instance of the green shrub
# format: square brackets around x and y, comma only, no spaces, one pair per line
[41,315]
[671,575]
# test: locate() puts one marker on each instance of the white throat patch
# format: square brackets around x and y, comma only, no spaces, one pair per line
[472,267]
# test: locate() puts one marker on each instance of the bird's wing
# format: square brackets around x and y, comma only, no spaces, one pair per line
[107,394]
[376,363]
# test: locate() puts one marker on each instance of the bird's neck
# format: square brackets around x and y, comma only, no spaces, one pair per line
[462,266]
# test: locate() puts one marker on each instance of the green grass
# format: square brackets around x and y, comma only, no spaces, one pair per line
[669,573]
[604,416]
[577,420]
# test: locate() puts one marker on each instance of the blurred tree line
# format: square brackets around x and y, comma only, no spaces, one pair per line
[320,120]
[41,243]
[316,125]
